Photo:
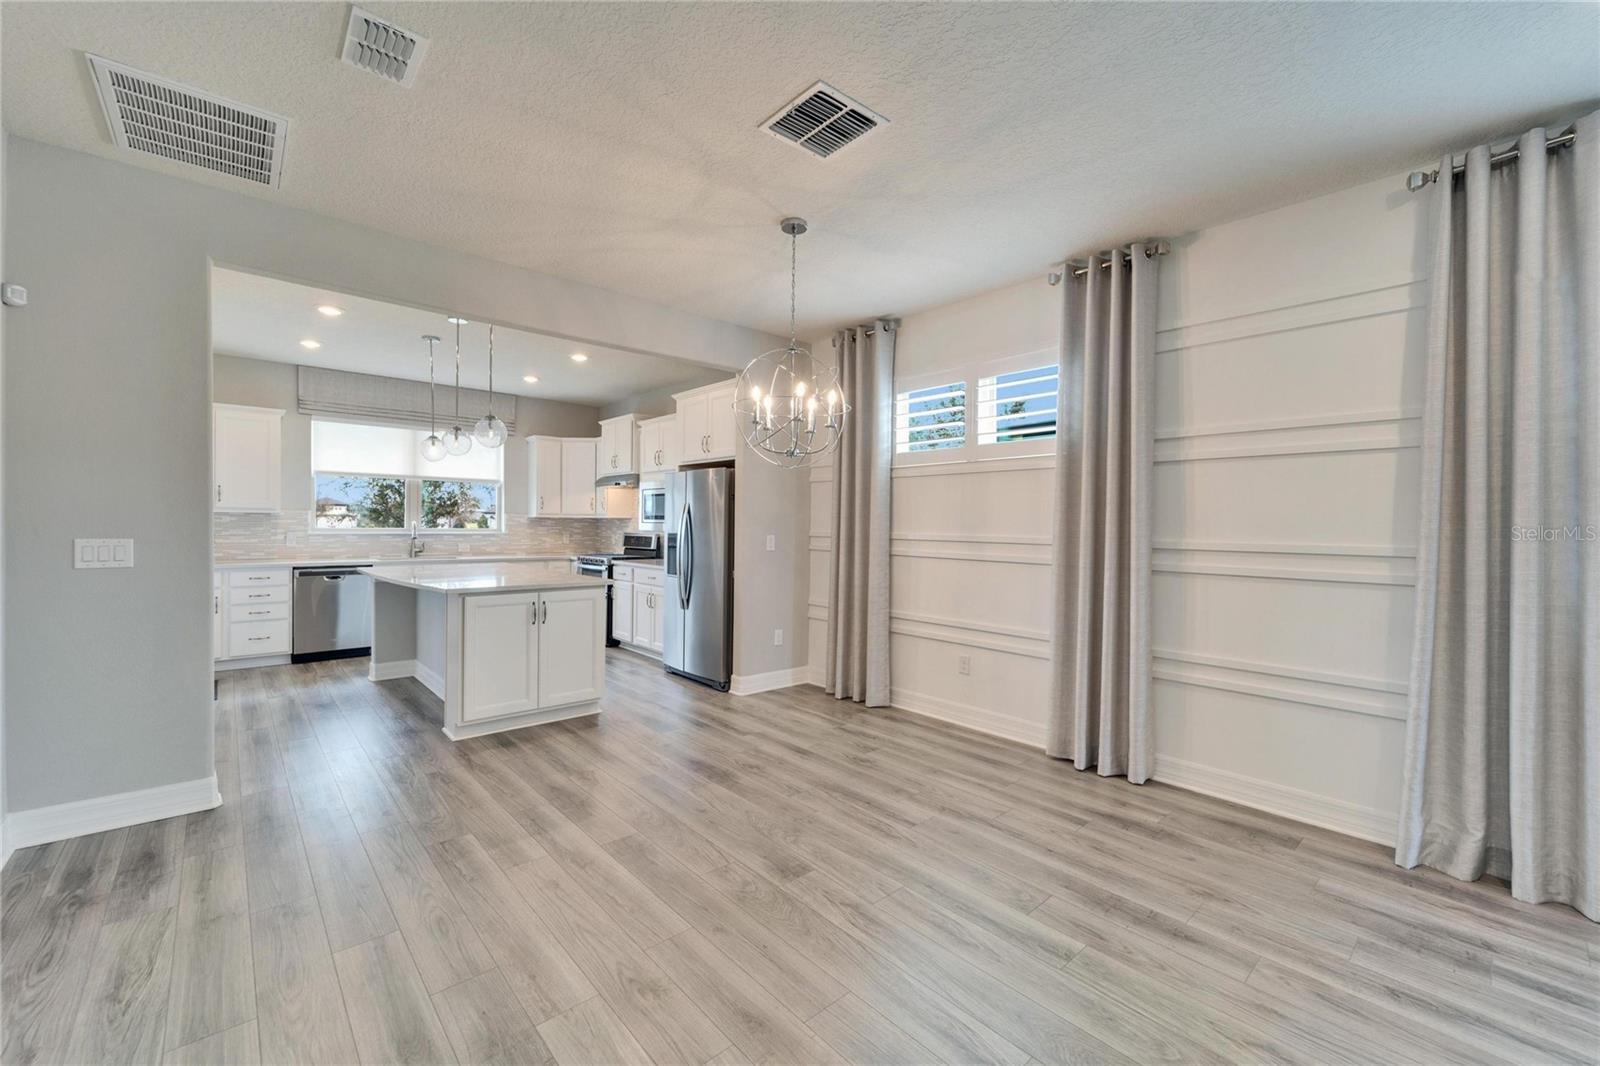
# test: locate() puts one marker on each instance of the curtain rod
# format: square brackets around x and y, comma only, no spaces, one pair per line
[1151,250]
[1419,178]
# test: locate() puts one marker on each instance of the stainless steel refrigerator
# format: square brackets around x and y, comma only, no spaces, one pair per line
[697,631]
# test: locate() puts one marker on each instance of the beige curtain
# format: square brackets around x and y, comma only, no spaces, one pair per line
[1100,641]
[1503,744]
[858,614]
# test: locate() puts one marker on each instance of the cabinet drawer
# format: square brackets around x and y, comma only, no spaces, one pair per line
[239,579]
[622,574]
[259,612]
[648,575]
[258,638]
[239,597]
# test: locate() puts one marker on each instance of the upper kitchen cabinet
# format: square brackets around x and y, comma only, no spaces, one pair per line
[246,457]
[544,477]
[705,423]
[617,454]
[578,466]
[658,444]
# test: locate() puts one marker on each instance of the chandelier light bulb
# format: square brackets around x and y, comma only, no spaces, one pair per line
[457,441]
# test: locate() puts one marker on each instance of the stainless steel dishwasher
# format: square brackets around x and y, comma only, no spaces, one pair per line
[332,613]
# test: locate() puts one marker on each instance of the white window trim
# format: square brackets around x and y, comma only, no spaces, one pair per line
[936,455]
[1008,365]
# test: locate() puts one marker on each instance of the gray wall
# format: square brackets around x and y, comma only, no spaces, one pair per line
[260,383]
[107,686]
[657,402]
[769,586]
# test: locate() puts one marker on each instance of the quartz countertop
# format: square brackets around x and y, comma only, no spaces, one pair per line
[369,560]
[637,562]
[487,577]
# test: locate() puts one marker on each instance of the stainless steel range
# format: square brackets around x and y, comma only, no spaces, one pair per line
[598,564]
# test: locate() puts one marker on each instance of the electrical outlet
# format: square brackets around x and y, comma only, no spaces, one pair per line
[772,542]
[963,664]
[777,638]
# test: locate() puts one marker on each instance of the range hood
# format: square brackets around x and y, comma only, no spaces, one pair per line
[625,481]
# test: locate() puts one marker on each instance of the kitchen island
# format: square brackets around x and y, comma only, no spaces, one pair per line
[504,645]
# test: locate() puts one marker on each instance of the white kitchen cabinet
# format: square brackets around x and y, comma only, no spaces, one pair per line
[658,444]
[251,613]
[572,624]
[705,423]
[577,477]
[617,453]
[527,651]
[499,655]
[544,477]
[645,629]
[246,457]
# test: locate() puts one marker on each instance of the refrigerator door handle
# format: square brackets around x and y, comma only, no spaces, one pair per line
[685,558]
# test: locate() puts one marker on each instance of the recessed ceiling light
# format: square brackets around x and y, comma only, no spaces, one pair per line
[531,379]
[579,357]
[456,320]
[310,344]
[330,311]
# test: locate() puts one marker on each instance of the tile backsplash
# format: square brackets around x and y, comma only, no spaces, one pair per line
[287,535]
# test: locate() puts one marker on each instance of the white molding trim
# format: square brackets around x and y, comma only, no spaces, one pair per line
[1261,547]
[750,684]
[1319,310]
[430,679]
[1296,673]
[1309,693]
[1010,640]
[973,466]
[392,670]
[1402,435]
[978,719]
[973,538]
[1267,425]
[221,665]
[42,825]
[970,556]
[1341,816]
[1162,562]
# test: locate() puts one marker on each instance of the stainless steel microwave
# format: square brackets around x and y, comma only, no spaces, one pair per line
[652,503]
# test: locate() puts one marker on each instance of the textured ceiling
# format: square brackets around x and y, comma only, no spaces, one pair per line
[617,143]
[264,318]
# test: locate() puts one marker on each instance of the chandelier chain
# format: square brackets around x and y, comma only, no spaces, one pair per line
[794,243]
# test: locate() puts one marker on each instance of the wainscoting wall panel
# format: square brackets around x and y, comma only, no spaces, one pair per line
[1288,385]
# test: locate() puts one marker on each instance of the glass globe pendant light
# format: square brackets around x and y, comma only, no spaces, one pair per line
[458,441]
[789,408]
[490,431]
[432,445]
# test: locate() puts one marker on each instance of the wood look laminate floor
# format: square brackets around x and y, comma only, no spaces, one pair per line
[699,878]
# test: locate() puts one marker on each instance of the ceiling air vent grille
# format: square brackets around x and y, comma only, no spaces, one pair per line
[823,120]
[163,118]
[383,48]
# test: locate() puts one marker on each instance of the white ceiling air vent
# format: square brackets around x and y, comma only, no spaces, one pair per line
[823,120]
[164,118]
[383,48]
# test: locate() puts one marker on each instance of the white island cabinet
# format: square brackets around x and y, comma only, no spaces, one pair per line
[504,645]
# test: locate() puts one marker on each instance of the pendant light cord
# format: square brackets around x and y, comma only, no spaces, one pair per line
[491,370]
[433,418]
[458,376]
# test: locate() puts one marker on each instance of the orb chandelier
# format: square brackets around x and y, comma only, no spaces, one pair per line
[789,408]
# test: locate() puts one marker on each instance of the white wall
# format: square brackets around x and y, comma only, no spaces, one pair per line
[107,391]
[1288,381]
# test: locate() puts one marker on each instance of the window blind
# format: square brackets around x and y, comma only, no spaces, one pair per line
[395,451]
[371,398]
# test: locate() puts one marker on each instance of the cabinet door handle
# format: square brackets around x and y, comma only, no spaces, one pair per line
[544,611]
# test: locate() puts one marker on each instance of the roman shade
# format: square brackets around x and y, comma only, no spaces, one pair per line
[371,398]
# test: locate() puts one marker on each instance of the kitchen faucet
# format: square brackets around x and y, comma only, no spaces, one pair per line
[417,547]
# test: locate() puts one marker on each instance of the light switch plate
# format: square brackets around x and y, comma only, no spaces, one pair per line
[772,542]
[91,553]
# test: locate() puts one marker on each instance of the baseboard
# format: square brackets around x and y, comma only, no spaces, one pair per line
[42,825]
[430,680]
[1342,816]
[750,684]
[978,719]
[392,670]
[223,665]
